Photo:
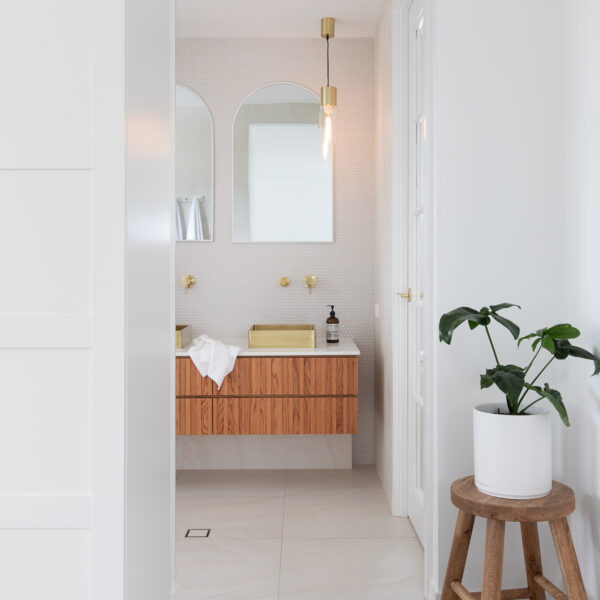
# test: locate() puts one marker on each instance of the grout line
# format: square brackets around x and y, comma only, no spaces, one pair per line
[351,538]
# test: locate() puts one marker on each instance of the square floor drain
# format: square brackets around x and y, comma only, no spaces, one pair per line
[197,533]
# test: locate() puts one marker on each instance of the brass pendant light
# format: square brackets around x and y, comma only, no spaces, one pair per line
[328,92]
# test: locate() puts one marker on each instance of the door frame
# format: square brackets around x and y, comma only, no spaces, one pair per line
[399,191]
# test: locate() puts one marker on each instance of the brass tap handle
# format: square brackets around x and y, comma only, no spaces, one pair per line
[310,281]
[188,281]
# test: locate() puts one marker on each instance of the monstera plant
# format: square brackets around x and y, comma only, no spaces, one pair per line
[512,379]
[513,441]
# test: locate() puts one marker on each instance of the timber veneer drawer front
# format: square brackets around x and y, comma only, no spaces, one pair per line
[249,416]
[312,414]
[194,416]
[189,382]
[292,376]
[269,395]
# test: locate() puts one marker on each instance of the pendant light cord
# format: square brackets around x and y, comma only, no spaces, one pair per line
[327,38]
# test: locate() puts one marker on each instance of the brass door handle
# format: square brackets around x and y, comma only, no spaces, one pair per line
[407,295]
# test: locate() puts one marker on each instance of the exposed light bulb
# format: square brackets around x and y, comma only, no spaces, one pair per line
[327,133]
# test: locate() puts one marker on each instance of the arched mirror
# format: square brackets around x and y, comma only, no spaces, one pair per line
[282,184]
[193,167]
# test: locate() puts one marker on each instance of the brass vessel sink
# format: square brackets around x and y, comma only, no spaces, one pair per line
[282,336]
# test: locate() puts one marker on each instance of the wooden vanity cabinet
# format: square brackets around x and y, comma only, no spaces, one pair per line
[270,395]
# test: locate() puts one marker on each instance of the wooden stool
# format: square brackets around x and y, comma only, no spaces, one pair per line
[553,508]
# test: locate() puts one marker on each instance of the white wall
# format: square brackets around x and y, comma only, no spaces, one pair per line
[72,401]
[384,359]
[149,310]
[580,464]
[516,184]
[497,133]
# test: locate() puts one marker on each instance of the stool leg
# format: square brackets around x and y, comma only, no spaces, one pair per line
[494,556]
[533,558]
[567,559]
[458,553]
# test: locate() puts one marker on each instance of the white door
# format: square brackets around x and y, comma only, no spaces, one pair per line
[416,252]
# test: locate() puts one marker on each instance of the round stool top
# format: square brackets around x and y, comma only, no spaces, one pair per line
[559,503]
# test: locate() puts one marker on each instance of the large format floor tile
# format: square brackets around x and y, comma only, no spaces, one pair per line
[231,483]
[302,482]
[356,514]
[351,569]
[228,569]
[295,535]
[231,517]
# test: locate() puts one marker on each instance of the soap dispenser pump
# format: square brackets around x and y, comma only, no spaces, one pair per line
[333,327]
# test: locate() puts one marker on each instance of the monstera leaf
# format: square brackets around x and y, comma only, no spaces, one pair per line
[548,336]
[451,320]
[555,339]
[564,348]
[510,379]
[555,399]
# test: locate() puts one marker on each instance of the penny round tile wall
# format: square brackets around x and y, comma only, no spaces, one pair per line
[238,284]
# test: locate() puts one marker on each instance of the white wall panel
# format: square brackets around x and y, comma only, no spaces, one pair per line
[45,54]
[45,511]
[384,263]
[45,424]
[150,355]
[45,242]
[48,565]
[43,331]
[67,68]
[580,453]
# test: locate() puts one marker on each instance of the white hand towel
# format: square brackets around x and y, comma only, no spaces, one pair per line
[213,358]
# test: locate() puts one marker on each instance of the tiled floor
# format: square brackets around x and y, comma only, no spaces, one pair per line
[293,535]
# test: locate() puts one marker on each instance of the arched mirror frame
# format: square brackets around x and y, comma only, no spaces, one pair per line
[210,215]
[233,173]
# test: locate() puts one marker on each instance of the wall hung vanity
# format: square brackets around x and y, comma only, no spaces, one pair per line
[286,391]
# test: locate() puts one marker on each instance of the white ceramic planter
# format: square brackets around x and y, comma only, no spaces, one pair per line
[513,453]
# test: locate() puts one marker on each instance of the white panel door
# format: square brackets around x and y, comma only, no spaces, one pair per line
[416,380]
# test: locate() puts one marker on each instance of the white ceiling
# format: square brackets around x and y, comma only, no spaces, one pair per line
[275,18]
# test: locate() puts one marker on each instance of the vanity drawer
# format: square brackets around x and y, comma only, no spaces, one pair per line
[292,376]
[248,416]
[194,416]
[300,415]
[189,382]
[322,415]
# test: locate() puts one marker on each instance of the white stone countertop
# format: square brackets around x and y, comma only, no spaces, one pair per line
[345,347]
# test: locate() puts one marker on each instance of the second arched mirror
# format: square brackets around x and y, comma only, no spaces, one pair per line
[282,184]
[193,167]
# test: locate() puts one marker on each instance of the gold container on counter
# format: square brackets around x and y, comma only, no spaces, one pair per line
[282,336]
[183,336]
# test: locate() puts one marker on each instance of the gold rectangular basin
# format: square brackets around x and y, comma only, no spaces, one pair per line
[183,336]
[282,336]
